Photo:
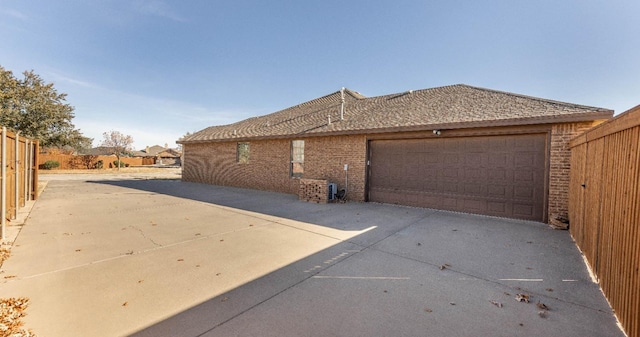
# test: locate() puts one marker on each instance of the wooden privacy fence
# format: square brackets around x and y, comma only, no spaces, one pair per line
[604,210]
[19,174]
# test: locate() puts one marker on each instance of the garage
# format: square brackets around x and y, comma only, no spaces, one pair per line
[502,175]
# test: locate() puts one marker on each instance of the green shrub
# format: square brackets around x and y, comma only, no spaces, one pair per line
[99,164]
[122,164]
[50,164]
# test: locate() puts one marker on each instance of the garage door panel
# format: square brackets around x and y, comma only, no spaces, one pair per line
[497,207]
[474,189]
[451,175]
[450,203]
[524,192]
[496,191]
[473,205]
[494,175]
[474,174]
[525,159]
[474,159]
[497,159]
[497,175]
[524,175]
[523,210]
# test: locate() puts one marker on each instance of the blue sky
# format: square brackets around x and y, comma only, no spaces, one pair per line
[158,69]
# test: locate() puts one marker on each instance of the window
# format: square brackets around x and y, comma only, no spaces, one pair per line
[297,158]
[242,153]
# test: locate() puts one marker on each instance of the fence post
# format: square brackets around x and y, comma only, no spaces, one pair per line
[26,170]
[3,172]
[34,169]
[17,175]
[30,170]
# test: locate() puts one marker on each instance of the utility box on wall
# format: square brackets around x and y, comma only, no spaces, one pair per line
[333,189]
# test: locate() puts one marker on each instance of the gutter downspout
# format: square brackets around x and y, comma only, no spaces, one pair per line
[346,180]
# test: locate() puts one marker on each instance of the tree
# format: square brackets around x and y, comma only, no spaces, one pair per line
[37,110]
[183,138]
[118,143]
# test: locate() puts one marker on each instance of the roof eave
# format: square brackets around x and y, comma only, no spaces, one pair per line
[572,118]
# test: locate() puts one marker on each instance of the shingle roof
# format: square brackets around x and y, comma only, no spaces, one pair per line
[455,106]
[99,151]
[154,150]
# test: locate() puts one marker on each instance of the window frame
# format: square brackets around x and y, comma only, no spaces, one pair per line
[297,159]
[242,152]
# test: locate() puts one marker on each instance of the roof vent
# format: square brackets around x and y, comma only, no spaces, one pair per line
[234,132]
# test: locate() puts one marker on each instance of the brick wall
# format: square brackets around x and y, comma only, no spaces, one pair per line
[325,158]
[560,166]
[216,163]
[269,160]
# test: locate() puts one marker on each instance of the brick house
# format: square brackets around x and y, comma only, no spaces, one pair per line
[458,147]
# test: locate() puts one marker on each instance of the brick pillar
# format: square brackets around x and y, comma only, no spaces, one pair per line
[560,165]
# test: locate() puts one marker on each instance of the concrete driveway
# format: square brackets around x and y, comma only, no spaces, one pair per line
[167,258]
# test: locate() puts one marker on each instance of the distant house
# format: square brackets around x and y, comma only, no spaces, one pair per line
[163,155]
[458,147]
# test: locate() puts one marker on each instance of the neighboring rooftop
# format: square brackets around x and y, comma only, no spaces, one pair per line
[455,106]
[99,151]
[157,151]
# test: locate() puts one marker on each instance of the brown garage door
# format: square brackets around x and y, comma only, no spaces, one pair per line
[492,175]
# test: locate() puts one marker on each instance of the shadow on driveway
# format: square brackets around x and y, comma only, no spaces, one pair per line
[417,272]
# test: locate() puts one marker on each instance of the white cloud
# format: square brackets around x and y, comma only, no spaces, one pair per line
[57,77]
[158,8]
[14,13]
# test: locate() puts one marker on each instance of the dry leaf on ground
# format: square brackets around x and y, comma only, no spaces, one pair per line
[522,298]
[542,306]
[12,310]
[4,254]
[497,304]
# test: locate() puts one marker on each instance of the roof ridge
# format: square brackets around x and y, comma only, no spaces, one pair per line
[352,93]
[402,93]
[531,97]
